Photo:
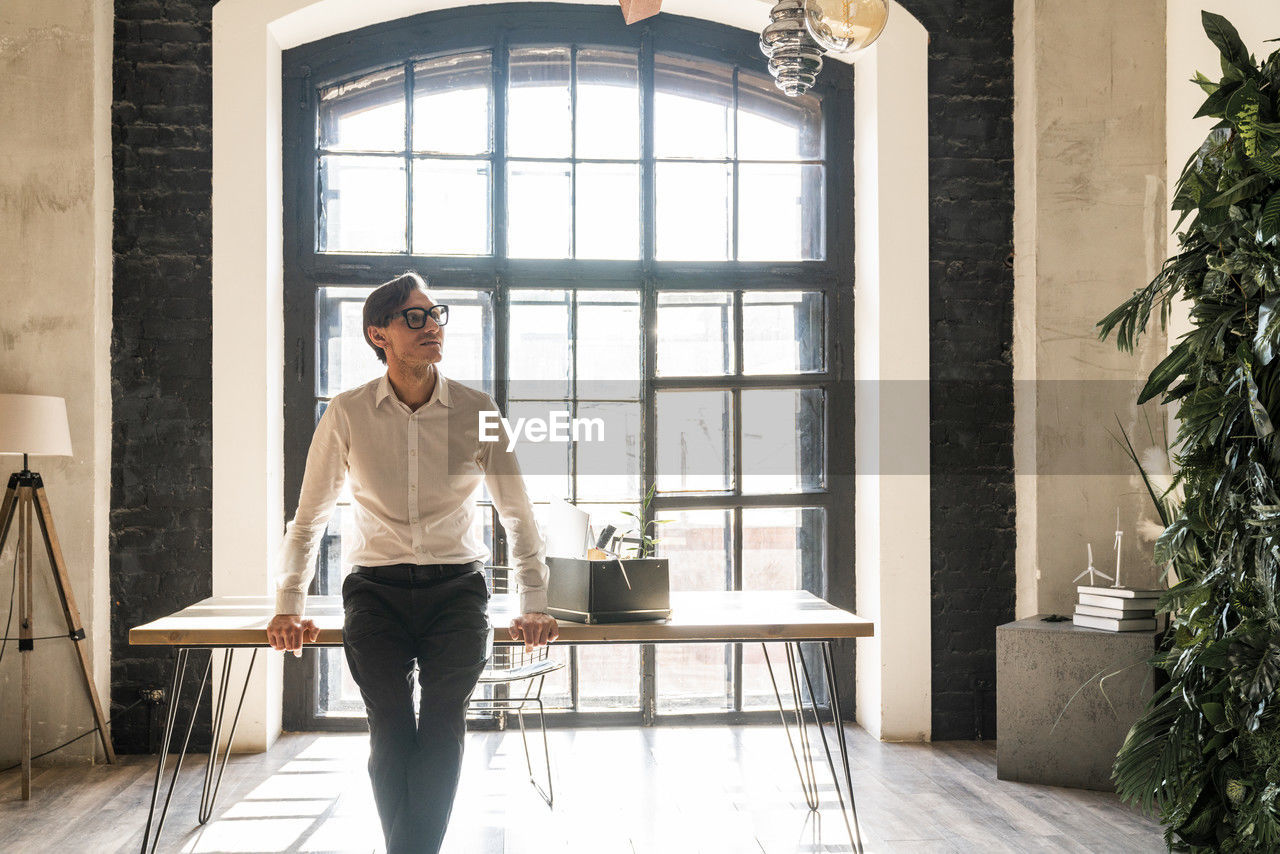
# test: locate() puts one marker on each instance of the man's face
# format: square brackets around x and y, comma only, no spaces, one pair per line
[413,347]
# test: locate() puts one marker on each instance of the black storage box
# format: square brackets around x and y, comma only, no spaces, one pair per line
[601,591]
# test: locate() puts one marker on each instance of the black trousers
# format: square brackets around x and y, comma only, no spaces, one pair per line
[437,616]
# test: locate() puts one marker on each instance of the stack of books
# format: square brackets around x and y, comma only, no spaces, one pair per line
[1117,609]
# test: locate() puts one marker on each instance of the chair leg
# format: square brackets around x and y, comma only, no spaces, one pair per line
[531,696]
[549,794]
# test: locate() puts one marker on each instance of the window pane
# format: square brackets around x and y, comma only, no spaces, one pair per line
[453,104]
[694,205]
[780,212]
[694,441]
[608,120]
[604,515]
[692,108]
[468,339]
[782,332]
[544,464]
[608,345]
[607,442]
[345,359]
[365,114]
[362,204]
[609,677]
[700,546]
[538,117]
[451,207]
[695,333]
[696,677]
[538,214]
[782,549]
[608,211]
[538,344]
[773,126]
[782,440]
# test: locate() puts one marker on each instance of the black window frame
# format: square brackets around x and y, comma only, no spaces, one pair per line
[307,68]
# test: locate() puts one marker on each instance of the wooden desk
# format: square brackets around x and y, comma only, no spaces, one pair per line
[790,617]
[782,615]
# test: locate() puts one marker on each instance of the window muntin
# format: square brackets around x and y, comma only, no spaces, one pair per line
[737,173]
[798,357]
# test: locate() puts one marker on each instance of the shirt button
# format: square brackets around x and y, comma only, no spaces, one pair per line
[413,453]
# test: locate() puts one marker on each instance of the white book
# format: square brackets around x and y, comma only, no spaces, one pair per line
[1122,592]
[1141,625]
[1113,613]
[1117,603]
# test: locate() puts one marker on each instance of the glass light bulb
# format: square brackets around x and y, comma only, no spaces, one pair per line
[845,26]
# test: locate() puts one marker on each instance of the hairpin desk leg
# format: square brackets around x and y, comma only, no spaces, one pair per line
[179,670]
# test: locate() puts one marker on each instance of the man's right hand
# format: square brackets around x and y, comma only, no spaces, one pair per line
[289,631]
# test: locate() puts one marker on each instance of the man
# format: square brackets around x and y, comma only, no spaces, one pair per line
[408,445]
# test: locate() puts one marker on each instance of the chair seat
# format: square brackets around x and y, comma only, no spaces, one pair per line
[527,671]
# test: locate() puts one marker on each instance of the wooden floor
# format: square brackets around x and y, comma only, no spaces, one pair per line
[666,790]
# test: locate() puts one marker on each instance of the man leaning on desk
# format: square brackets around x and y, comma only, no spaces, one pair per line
[408,444]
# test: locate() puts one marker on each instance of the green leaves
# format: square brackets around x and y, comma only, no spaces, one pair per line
[1238,192]
[1173,366]
[1216,104]
[1194,753]
[1269,222]
[1227,39]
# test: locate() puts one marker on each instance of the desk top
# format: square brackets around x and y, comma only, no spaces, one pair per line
[773,615]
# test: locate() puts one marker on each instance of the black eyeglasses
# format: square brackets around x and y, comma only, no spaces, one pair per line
[416,318]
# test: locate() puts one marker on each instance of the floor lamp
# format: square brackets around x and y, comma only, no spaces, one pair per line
[33,424]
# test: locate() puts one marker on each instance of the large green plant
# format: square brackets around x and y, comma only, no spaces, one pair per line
[1206,753]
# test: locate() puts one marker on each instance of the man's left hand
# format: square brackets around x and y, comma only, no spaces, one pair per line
[535,629]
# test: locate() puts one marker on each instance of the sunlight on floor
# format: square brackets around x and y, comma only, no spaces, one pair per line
[616,798]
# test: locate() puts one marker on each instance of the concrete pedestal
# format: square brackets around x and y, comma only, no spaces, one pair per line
[1039,666]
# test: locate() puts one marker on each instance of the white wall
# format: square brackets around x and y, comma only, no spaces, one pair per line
[891,367]
[55,332]
[248,37]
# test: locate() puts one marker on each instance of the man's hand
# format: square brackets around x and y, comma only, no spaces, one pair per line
[535,629]
[289,632]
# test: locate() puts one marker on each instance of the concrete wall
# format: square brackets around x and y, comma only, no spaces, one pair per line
[1089,229]
[55,282]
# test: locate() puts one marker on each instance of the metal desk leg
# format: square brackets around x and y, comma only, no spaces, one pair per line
[809,785]
[212,781]
[808,780]
[179,670]
[209,793]
[828,660]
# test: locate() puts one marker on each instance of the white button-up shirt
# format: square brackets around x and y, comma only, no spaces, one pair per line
[412,476]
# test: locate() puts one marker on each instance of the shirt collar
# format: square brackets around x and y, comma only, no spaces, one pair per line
[440,393]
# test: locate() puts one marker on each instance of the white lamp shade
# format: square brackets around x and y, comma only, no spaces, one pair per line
[34,424]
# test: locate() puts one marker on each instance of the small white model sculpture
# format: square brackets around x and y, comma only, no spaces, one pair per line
[1119,540]
[1090,571]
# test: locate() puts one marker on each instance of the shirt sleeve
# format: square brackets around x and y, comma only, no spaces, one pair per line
[506,484]
[321,483]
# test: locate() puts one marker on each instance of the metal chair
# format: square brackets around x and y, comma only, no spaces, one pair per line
[509,665]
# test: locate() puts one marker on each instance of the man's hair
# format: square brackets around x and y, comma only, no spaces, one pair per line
[380,306]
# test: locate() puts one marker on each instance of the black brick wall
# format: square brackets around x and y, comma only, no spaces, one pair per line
[971,322]
[161,347]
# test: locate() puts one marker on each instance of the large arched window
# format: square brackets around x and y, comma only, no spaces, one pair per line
[631,225]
